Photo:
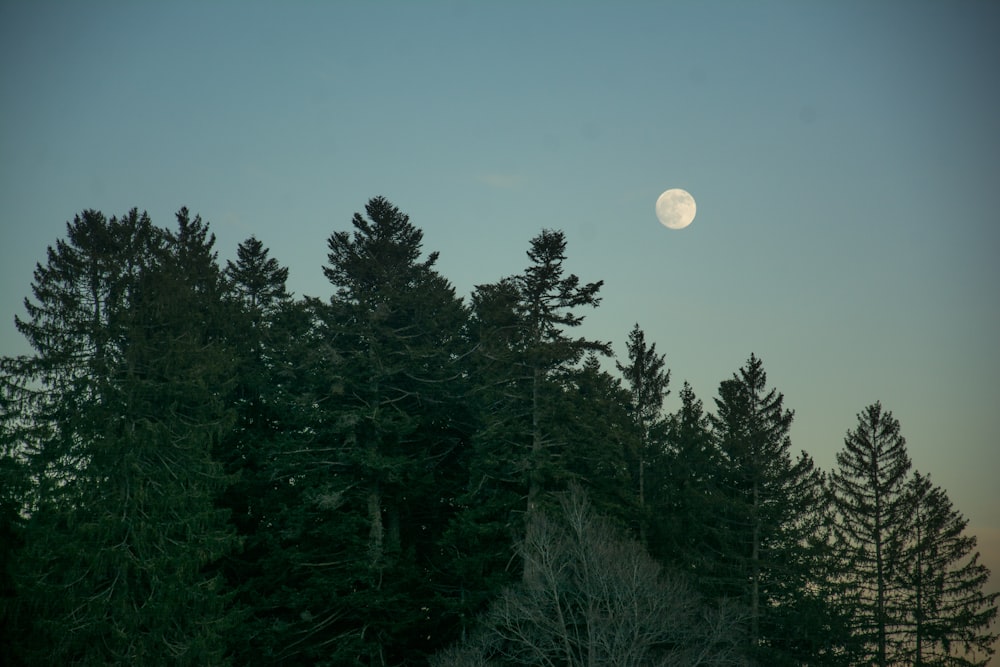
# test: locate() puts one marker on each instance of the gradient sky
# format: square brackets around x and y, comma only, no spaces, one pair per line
[845,157]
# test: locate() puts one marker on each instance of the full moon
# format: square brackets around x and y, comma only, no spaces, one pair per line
[675,208]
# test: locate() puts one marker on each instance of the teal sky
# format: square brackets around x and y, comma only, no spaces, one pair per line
[845,157]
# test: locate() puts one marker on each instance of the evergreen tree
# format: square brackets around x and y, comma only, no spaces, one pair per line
[256,284]
[375,424]
[873,506]
[257,280]
[490,508]
[15,487]
[947,614]
[399,336]
[523,357]
[546,305]
[648,381]
[684,496]
[772,508]
[523,377]
[591,415]
[123,395]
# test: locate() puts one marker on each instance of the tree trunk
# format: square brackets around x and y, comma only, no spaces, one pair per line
[376,534]
[755,570]
[534,460]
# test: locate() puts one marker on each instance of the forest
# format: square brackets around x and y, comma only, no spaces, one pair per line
[198,468]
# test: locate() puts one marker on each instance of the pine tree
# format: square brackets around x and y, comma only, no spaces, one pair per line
[869,492]
[648,381]
[947,614]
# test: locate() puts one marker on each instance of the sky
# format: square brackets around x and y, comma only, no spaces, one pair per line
[845,158]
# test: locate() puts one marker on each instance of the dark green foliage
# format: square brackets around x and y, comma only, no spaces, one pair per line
[913,582]
[522,372]
[257,280]
[545,306]
[683,492]
[15,487]
[196,468]
[869,490]
[947,615]
[128,329]
[771,511]
[262,312]
[647,380]
[364,465]
[590,415]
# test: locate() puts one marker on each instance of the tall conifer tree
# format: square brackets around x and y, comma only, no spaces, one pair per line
[684,496]
[524,353]
[869,492]
[946,615]
[648,382]
[547,307]
[261,305]
[124,400]
[772,508]
[376,423]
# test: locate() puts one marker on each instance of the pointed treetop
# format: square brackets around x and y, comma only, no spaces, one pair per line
[258,279]
[381,255]
[646,375]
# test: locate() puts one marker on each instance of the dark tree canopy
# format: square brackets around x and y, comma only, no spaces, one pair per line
[198,468]
[123,521]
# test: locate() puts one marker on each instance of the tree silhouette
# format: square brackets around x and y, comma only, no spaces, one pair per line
[198,468]
[648,381]
[947,614]
[869,491]
[594,597]
[128,329]
[772,507]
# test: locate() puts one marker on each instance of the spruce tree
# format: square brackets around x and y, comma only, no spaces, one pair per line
[523,356]
[523,374]
[648,380]
[374,425]
[124,401]
[546,307]
[947,615]
[869,492]
[261,305]
[772,507]
[684,497]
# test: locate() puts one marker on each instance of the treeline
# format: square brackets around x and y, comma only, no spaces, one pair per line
[199,469]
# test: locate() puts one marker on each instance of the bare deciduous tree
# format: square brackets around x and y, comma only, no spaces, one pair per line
[595,597]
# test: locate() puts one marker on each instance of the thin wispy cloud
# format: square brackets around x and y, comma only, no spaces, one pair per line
[500,180]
